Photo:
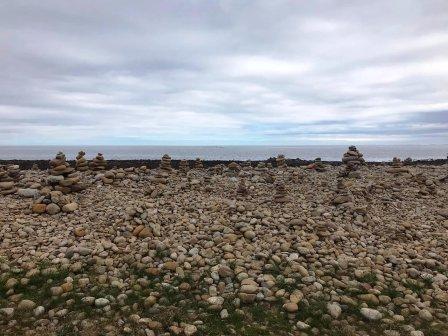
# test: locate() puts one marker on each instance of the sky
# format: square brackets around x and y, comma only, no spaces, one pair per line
[207,72]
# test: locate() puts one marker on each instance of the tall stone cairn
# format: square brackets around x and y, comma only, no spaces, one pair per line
[281,194]
[62,177]
[184,166]
[81,162]
[242,190]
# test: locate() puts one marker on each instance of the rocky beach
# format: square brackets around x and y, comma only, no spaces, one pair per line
[277,247]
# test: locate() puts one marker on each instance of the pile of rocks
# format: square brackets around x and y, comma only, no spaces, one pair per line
[397,167]
[233,169]
[98,163]
[281,195]
[352,160]
[144,221]
[295,176]
[62,177]
[184,166]
[242,190]
[342,194]
[281,161]
[165,163]
[9,175]
[53,202]
[198,164]
[317,165]
[81,162]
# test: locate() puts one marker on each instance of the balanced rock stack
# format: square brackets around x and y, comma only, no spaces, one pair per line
[281,195]
[108,177]
[233,168]
[352,160]
[397,167]
[281,161]
[144,220]
[165,163]
[81,162]
[342,194]
[242,189]
[7,179]
[184,167]
[98,163]
[62,177]
[317,165]
[53,202]
[198,164]
[353,155]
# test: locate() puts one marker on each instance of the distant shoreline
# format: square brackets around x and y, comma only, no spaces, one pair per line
[43,164]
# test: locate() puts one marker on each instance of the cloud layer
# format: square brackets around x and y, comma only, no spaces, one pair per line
[223,72]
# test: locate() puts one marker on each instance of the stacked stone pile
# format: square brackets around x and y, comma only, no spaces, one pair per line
[397,167]
[198,164]
[242,190]
[9,175]
[233,169]
[53,202]
[317,165]
[281,194]
[295,176]
[165,163]
[81,162]
[352,159]
[98,163]
[342,194]
[144,221]
[218,169]
[62,176]
[184,166]
[281,161]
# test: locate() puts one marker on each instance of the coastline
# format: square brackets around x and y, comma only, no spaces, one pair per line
[152,164]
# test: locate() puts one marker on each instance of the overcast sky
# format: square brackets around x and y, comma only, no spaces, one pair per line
[223,72]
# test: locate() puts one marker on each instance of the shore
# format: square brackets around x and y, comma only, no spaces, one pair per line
[152,164]
[233,250]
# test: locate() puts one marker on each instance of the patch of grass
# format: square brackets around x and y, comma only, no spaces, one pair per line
[414,285]
[370,278]
[391,292]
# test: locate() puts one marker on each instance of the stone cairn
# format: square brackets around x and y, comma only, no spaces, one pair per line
[218,169]
[8,178]
[317,165]
[98,163]
[352,160]
[280,161]
[81,162]
[281,195]
[242,190]
[143,220]
[165,163]
[342,194]
[397,167]
[233,169]
[62,177]
[184,166]
[295,176]
[198,164]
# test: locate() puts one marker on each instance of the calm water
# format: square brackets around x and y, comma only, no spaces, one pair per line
[329,153]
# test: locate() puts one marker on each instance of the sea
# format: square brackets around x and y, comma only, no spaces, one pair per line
[377,153]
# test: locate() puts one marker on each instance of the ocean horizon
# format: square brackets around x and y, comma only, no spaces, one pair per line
[239,153]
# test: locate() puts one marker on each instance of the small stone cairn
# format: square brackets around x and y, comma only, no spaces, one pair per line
[281,194]
[198,164]
[165,163]
[342,194]
[81,162]
[98,163]
[53,202]
[317,165]
[295,176]
[233,169]
[143,219]
[184,166]
[9,175]
[280,161]
[242,190]
[61,176]
[397,167]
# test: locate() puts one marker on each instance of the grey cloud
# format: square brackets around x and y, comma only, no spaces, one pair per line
[238,67]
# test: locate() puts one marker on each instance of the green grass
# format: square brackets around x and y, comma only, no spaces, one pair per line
[370,278]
